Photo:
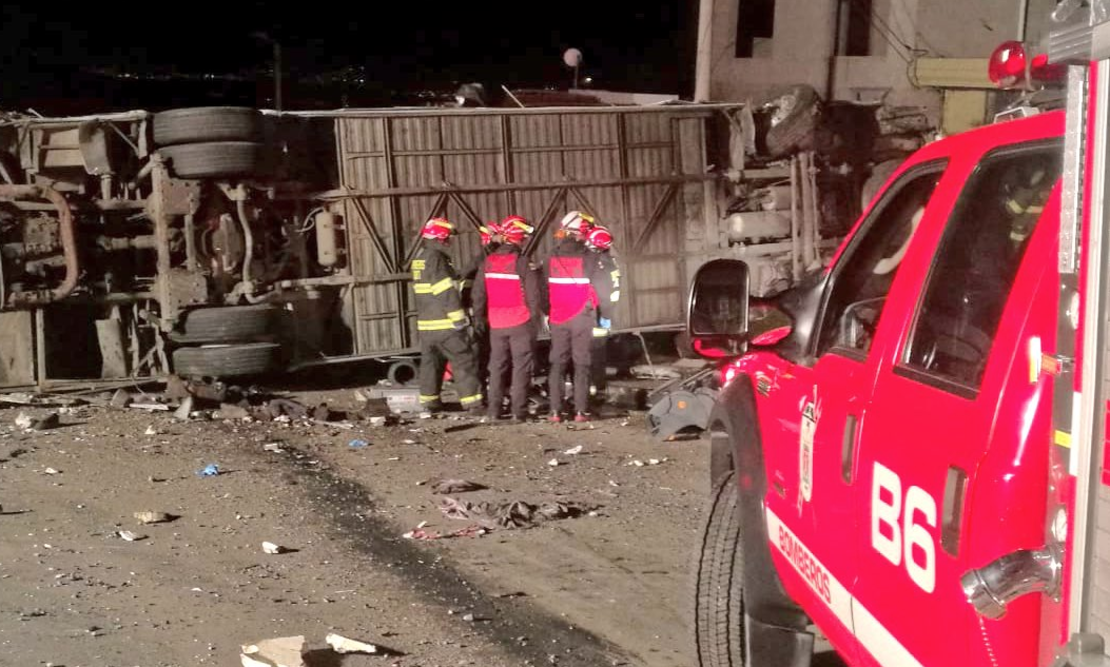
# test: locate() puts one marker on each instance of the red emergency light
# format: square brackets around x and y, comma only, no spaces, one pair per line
[1010,66]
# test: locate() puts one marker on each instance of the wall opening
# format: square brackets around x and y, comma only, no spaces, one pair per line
[854,36]
[755,20]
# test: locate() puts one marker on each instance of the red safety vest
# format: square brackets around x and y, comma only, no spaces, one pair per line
[569,289]
[505,293]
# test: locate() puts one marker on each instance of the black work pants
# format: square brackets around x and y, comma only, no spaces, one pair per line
[436,349]
[599,357]
[571,340]
[510,347]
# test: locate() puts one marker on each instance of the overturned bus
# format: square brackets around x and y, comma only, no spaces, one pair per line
[225,241]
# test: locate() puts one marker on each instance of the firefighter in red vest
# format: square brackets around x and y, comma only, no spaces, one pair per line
[445,333]
[579,295]
[509,300]
[490,235]
[599,240]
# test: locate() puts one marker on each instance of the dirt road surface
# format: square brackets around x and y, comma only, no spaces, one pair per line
[608,587]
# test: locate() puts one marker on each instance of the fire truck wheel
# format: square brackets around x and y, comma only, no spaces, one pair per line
[718,580]
[229,324]
[226,360]
[215,159]
[204,124]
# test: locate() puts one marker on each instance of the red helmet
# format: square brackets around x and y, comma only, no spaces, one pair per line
[514,228]
[437,229]
[577,222]
[599,238]
[488,232]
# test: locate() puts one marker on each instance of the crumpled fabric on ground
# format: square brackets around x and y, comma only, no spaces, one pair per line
[509,515]
[446,486]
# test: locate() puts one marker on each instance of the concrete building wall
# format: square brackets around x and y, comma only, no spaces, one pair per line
[901,30]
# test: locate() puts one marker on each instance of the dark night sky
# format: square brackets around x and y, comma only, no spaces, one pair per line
[640,46]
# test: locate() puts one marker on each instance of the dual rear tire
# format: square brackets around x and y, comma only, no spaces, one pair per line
[230,341]
[211,142]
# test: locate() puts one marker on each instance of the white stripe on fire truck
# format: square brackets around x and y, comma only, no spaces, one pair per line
[878,641]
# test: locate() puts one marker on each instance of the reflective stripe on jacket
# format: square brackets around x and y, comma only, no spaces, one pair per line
[574,283]
[505,292]
[435,283]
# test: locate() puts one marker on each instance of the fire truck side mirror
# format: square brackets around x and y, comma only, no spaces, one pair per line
[717,309]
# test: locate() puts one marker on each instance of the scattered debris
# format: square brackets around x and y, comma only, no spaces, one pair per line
[450,486]
[651,462]
[150,430]
[574,450]
[279,407]
[184,411]
[401,400]
[152,517]
[274,447]
[341,644]
[421,534]
[121,399]
[150,407]
[210,470]
[510,515]
[279,652]
[29,423]
[554,463]
[23,398]
[655,372]
[229,411]
[52,471]
[358,444]
[469,618]
[271,548]
[128,536]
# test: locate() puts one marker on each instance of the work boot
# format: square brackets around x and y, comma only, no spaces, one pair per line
[433,407]
[555,418]
[581,417]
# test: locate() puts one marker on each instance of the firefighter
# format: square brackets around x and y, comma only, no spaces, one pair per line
[491,239]
[445,333]
[599,240]
[507,299]
[578,294]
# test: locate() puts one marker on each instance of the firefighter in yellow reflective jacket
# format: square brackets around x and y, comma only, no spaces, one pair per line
[445,332]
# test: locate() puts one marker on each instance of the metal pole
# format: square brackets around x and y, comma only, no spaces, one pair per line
[704,52]
[277,75]
[830,77]
[1023,20]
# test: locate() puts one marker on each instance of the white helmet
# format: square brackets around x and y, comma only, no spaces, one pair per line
[577,222]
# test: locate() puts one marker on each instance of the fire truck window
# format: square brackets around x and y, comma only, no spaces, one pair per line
[976,263]
[864,276]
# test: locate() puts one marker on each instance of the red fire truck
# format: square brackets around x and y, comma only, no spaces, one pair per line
[909,456]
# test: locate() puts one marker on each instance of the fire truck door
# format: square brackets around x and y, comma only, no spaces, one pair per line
[936,408]
[816,528]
